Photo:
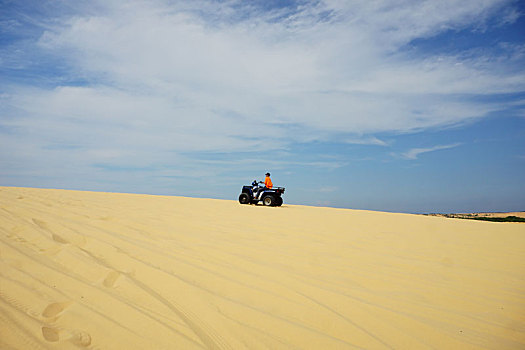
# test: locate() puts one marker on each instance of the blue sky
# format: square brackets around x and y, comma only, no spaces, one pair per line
[403,106]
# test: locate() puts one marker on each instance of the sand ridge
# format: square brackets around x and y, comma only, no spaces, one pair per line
[124,271]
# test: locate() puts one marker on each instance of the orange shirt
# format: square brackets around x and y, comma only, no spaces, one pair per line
[268,182]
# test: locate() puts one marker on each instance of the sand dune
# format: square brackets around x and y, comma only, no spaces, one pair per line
[122,271]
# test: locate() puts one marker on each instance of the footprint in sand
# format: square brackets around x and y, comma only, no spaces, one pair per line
[50,334]
[111,278]
[59,239]
[54,309]
[43,225]
[81,338]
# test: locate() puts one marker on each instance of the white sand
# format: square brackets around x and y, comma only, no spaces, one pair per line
[121,271]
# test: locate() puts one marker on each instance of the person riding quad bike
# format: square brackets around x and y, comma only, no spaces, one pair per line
[267,185]
[266,193]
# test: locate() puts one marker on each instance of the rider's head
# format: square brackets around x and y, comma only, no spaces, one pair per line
[267,174]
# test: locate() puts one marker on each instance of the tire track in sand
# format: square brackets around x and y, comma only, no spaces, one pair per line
[248,306]
[205,333]
[373,336]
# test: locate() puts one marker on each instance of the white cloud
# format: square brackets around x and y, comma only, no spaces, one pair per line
[177,76]
[415,152]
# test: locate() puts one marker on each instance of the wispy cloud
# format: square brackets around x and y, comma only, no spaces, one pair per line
[327,189]
[372,140]
[415,152]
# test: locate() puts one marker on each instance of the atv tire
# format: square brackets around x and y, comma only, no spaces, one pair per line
[244,198]
[269,201]
[279,201]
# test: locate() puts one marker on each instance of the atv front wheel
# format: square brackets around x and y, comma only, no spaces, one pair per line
[244,198]
[269,201]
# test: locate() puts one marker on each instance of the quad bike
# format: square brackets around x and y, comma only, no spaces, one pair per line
[255,193]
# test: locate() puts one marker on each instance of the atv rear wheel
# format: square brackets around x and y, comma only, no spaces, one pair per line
[279,201]
[244,198]
[269,200]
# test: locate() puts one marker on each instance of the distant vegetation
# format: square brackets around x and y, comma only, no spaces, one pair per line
[505,219]
[510,218]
